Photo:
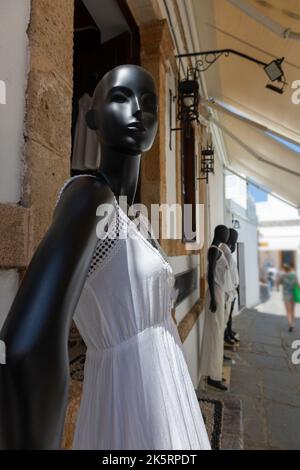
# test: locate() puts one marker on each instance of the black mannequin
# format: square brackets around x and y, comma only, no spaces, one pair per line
[34,381]
[230,335]
[221,235]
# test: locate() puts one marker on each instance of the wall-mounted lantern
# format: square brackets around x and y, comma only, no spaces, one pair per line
[207,162]
[188,99]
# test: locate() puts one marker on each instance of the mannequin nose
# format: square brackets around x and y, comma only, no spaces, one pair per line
[137,109]
[138,114]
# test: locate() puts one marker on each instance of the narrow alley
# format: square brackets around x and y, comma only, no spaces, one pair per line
[264,378]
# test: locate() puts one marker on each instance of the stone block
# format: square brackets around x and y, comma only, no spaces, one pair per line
[51,35]
[144,10]
[14,234]
[45,175]
[49,104]
[156,40]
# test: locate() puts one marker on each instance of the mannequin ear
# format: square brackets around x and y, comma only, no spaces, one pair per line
[91,119]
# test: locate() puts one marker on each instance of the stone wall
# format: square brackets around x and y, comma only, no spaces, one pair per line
[47,131]
[49,110]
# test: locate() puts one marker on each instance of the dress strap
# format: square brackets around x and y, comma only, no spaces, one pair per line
[215,246]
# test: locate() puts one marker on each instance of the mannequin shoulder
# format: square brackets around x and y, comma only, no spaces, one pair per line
[83,196]
[214,253]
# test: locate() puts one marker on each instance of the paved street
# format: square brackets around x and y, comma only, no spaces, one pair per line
[265,379]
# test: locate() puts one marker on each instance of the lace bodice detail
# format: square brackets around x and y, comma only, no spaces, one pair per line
[114,231]
[119,228]
[129,288]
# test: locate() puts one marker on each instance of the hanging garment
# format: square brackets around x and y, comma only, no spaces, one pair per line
[137,391]
[86,148]
[212,348]
[231,295]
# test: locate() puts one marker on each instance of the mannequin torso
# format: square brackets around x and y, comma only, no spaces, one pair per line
[36,329]
[221,236]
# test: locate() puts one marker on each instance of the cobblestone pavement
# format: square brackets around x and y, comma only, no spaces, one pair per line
[265,379]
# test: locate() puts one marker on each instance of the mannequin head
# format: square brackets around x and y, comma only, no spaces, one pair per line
[221,234]
[232,240]
[124,110]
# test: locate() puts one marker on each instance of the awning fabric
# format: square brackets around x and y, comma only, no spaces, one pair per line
[240,85]
[262,158]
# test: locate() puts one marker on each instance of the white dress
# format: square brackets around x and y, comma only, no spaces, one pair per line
[232,294]
[212,348]
[137,391]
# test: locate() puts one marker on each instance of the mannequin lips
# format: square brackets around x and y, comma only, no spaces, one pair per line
[136,126]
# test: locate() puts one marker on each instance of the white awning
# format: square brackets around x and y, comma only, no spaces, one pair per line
[239,86]
[261,157]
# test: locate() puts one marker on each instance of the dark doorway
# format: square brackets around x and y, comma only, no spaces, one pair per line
[97,49]
[96,52]
[288,257]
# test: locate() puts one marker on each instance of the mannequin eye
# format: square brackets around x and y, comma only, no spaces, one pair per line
[119,98]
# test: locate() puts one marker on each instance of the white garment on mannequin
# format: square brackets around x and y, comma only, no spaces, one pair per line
[232,294]
[137,391]
[212,348]
[86,149]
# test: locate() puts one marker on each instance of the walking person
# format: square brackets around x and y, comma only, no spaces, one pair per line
[289,281]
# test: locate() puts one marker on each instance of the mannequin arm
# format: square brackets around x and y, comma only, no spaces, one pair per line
[212,260]
[34,380]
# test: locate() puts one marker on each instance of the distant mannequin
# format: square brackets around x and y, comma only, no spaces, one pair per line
[231,297]
[219,282]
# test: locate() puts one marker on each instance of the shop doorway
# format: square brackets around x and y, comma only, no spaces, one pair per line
[289,258]
[105,36]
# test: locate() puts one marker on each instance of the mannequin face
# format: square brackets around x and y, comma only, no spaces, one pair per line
[232,240]
[125,110]
[222,233]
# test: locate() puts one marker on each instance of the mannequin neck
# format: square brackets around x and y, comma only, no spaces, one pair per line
[121,172]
